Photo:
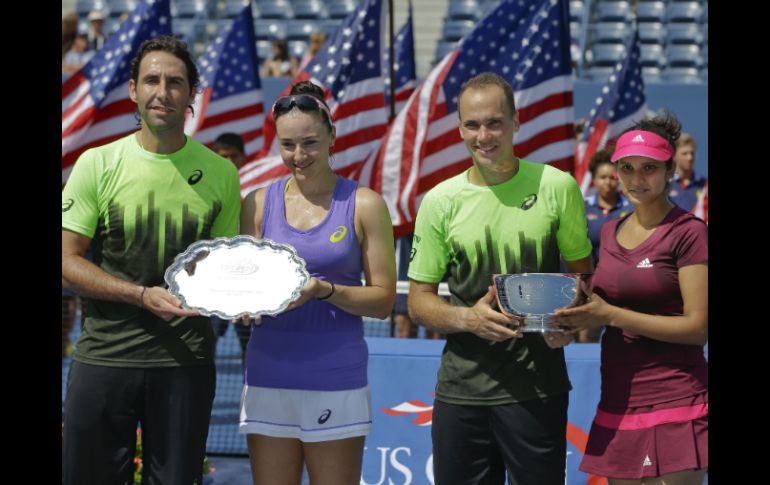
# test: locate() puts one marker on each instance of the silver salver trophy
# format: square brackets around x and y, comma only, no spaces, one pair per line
[237,277]
[536,296]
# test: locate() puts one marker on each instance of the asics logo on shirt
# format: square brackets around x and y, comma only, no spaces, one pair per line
[413,252]
[324,416]
[645,263]
[338,234]
[529,201]
[67,205]
[195,177]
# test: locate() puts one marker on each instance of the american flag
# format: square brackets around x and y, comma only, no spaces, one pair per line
[231,91]
[621,103]
[404,66]
[525,42]
[95,107]
[349,68]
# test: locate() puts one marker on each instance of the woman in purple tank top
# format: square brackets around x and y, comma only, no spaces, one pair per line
[306,399]
[650,289]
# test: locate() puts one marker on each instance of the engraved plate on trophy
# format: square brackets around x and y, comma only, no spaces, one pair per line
[235,277]
[536,296]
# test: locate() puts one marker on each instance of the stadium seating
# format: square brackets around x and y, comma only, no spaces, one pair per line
[339,9]
[652,33]
[611,32]
[651,12]
[576,10]
[309,9]
[185,9]
[607,54]
[684,33]
[119,7]
[464,10]
[673,33]
[683,12]
[299,29]
[619,11]
[455,30]
[232,8]
[683,55]
[652,55]
[268,29]
[276,9]
[688,75]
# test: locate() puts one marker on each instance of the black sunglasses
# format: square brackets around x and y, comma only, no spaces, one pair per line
[304,102]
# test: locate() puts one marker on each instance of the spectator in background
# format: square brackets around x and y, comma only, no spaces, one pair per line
[69,29]
[651,291]
[317,40]
[606,203]
[686,187]
[77,56]
[96,35]
[281,64]
[231,147]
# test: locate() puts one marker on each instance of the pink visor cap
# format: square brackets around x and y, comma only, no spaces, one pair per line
[644,144]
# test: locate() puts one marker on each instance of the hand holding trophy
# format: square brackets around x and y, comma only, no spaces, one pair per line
[534,297]
[237,277]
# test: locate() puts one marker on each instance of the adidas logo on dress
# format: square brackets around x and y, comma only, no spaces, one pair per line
[644,264]
[647,461]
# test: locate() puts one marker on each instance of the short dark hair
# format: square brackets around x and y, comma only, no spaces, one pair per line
[489,79]
[601,157]
[665,125]
[229,140]
[173,46]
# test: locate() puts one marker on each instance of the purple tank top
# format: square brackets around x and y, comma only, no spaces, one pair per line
[317,346]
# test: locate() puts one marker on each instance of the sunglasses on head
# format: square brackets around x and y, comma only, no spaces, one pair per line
[304,102]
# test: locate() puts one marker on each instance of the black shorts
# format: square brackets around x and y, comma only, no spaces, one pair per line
[103,406]
[474,445]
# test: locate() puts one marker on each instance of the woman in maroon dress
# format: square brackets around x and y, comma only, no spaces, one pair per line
[650,290]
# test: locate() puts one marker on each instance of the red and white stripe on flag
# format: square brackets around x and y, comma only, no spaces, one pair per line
[96,108]
[231,98]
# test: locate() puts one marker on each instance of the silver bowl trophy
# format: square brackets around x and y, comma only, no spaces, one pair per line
[236,277]
[536,296]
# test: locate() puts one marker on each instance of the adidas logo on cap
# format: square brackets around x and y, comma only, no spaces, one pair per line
[638,139]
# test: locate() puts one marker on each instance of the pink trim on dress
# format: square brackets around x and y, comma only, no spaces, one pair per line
[649,420]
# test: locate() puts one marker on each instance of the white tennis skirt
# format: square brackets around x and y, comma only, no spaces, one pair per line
[309,416]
